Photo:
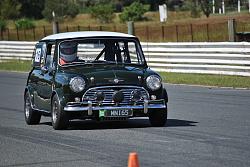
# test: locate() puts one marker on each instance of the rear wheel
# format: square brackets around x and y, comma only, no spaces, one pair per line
[32,117]
[158,117]
[58,116]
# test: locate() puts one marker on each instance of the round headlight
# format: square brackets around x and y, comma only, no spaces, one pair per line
[77,84]
[153,82]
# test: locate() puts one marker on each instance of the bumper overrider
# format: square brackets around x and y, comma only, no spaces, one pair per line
[89,107]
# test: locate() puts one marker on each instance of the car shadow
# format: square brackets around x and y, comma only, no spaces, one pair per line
[178,122]
[130,124]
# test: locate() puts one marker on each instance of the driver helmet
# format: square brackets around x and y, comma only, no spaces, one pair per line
[68,51]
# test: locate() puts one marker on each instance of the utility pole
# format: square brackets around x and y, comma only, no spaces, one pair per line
[131,28]
[54,24]
[214,7]
[249,6]
[231,30]
[238,6]
[223,7]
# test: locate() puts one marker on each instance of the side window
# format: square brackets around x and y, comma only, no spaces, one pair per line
[50,55]
[38,55]
[43,54]
[132,51]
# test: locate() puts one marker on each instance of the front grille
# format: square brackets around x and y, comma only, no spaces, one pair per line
[110,90]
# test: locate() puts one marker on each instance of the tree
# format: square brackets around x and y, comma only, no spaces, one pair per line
[193,6]
[61,8]
[174,4]
[154,4]
[32,8]
[9,9]
[134,12]
[103,12]
[206,7]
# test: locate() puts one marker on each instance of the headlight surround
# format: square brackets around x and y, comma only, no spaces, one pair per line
[153,82]
[77,84]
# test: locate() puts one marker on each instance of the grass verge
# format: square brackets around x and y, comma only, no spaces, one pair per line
[207,80]
[175,78]
[15,65]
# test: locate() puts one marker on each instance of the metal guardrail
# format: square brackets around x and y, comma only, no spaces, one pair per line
[198,57]
[16,50]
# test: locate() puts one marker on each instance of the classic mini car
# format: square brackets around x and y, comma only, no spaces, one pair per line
[92,75]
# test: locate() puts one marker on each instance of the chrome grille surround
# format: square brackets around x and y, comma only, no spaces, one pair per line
[89,95]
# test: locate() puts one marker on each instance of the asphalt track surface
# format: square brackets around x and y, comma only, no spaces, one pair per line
[206,127]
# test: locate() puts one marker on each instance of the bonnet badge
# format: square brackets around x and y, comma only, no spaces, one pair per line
[116,80]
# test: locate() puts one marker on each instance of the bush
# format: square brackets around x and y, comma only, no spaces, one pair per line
[206,7]
[61,9]
[192,6]
[24,24]
[3,25]
[134,12]
[102,12]
[9,9]
[72,10]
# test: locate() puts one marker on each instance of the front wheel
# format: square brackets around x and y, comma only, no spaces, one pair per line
[158,117]
[32,117]
[58,116]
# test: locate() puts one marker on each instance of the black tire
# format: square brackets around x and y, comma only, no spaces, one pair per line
[59,117]
[158,118]
[32,117]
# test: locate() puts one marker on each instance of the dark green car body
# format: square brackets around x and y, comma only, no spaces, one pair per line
[108,90]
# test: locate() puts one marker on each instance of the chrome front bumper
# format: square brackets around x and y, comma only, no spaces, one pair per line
[148,104]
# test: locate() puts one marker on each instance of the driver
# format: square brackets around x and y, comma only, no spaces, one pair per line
[68,52]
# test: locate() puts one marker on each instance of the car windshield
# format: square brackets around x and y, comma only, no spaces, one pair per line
[96,51]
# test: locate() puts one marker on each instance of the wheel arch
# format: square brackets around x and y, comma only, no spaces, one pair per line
[27,90]
[54,93]
[58,95]
[165,95]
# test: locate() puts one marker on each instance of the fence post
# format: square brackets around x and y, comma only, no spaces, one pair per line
[8,30]
[1,33]
[208,33]
[191,31]
[78,28]
[34,34]
[24,31]
[89,27]
[177,35]
[163,33]
[67,28]
[100,28]
[114,28]
[147,35]
[131,28]
[231,30]
[44,31]
[17,34]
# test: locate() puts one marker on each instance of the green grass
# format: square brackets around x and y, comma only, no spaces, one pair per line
[15,65]
[208,80]
[175,78]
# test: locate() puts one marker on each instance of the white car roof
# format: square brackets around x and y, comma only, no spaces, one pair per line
[82,34]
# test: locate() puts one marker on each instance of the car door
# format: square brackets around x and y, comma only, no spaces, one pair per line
[46,78]
[35,75]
